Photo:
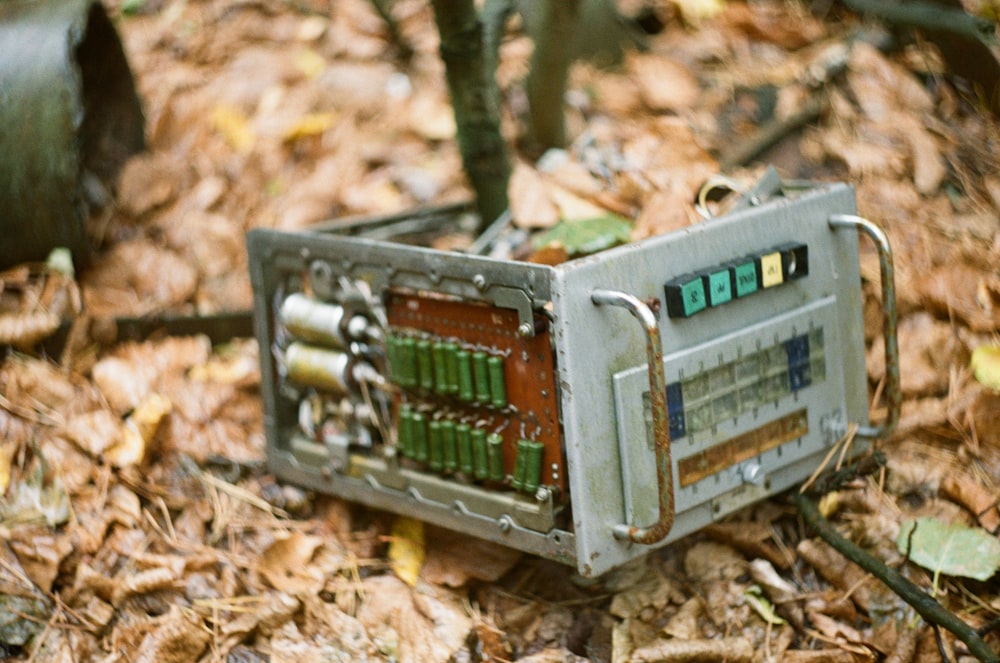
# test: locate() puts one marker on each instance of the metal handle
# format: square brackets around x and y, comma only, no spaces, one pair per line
[661,426]
[893,390]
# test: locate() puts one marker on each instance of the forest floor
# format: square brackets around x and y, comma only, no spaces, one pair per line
[137,518]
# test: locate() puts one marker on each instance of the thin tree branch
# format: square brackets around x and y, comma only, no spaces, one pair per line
[925,605]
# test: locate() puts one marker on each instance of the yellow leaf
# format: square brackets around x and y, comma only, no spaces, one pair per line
[985,365]
[138,431]
[6,456]
[310,63]
[406,549]
[694,11]
[829,504]
[310,124]
[234,125]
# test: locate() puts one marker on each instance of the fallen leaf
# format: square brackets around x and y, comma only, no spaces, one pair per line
[311,124]
[406,549]
[285,564]
[950,548]
[234,127]
[694,11]
[586,236]
[664,83]
[985,364]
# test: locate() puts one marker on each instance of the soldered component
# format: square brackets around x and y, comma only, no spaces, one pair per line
[497,381]
[528,466]
[320,322]
[330,370]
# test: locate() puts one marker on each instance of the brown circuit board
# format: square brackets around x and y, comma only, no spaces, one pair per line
[529,409]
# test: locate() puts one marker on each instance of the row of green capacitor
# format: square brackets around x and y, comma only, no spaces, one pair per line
[445,368]
[449,446]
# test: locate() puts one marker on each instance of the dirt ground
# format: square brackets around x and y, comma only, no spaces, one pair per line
[137,518]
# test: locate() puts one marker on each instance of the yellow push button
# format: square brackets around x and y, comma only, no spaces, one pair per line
[770,270]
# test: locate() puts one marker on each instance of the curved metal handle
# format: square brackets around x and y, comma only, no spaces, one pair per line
[893,390]
[661,425]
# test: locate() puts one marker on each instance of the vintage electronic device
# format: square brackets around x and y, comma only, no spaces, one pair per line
[587,412]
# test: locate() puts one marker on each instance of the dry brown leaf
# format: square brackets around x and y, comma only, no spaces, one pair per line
[176,637]
[94,432]
[774,22]
[733,650]
[981,501]
[531,203]
[138,277]
[954,290]
[683,625]
[655,592]
[147,182]
[40,551]
[753,539]
[664,84]
[928,349]
[285,564]
[454,558]
[837,570]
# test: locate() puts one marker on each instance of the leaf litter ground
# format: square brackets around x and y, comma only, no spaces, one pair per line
[138,521]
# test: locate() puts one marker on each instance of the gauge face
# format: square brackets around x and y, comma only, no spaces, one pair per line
[495,397]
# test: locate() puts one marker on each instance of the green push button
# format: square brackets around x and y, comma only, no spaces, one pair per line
[685,296]
[744,277]
[718,287]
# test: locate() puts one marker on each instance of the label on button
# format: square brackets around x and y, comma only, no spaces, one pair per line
[685,296]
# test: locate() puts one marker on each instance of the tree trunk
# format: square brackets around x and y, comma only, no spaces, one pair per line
[474,98]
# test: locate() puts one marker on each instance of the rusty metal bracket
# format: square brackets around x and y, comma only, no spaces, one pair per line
[893,390]
[661,426]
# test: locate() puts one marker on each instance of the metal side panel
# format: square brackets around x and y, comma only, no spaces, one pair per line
[594,344]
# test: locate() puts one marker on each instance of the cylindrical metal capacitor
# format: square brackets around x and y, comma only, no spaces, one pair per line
[480,462]
[436,444]
[320,322]
[498,384]
[450,442]
[324,369]
[419,430]
[494,451]
[482,377]
[463,438]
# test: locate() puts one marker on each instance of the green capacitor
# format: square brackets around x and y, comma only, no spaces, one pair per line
[480,463]
[528,465]
[425,364]
[494,451]
[498,383]
[451,368]
[404,431]
[463,438]
[392,357]
[482,377]
[440,368]
[465,390]
[450,442]
[436,443]
[418,429]
[407,373]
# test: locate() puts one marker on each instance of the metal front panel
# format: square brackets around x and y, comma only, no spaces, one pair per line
[595,344]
